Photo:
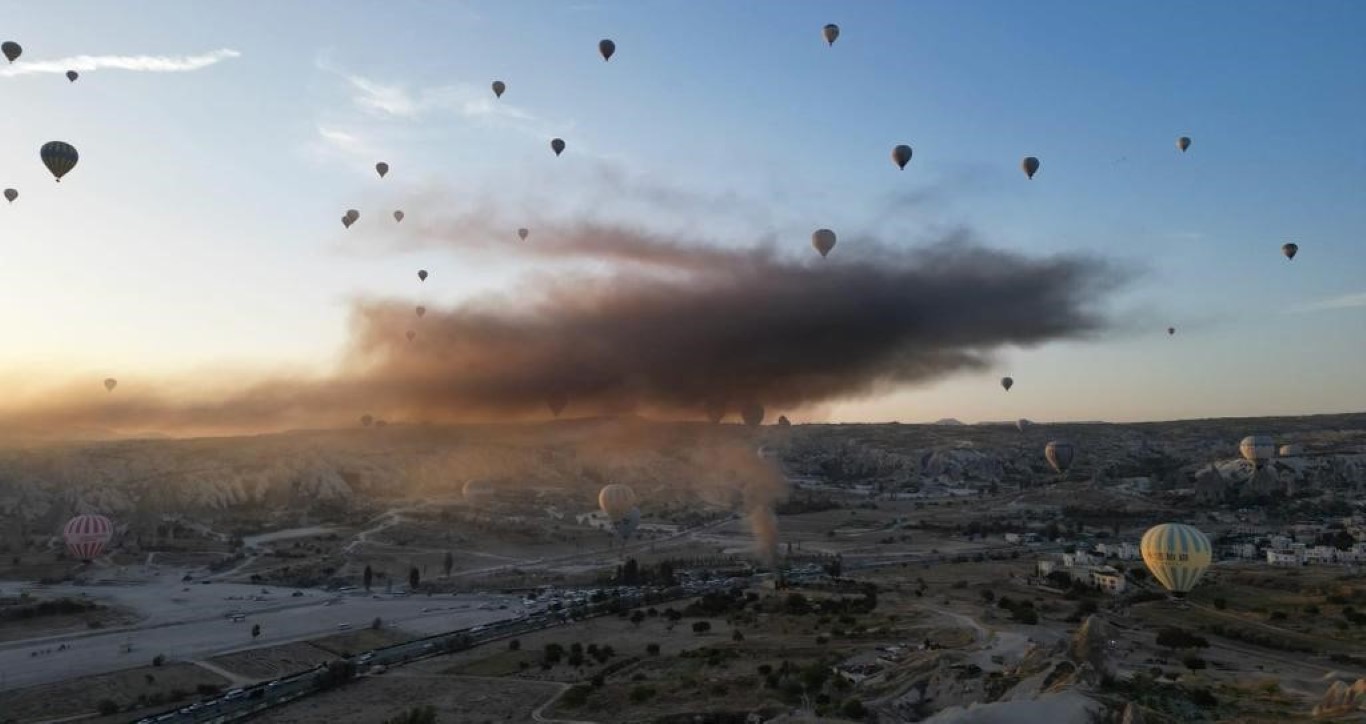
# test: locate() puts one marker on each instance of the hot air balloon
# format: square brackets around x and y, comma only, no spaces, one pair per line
[1290,250]
[1007,383]
[1171,331]
[783,421]
[11,195]
[421,310]
[556,401]
[410,334]
[716,410]
[619,503]
[752,413]
[606,48]
[901,155]
[1183,143]
[1059,454]
[381,168]
[823,240]
[381,423]
[1177,555]
[498,88]
[59,158]
[1022,423]
[522,233]
[110,383]
[422,275]
[12,50]
[477,490]
[87,535]
[367,420]
[350,217]
[1030,166]
[1290,451]
[557,145]
[1258,449]
[398,216]
[831,33]
[72,75]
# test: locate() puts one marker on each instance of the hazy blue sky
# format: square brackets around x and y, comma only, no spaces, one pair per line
[200,232]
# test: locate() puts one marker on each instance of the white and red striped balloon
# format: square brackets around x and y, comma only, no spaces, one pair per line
[87,535]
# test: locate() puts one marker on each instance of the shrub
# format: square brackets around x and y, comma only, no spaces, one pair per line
[854,709]
[158,660]
[1194,663]
[575,696]
[1221,603]
[107,707]
[515,645]
[652,649]
[642,694]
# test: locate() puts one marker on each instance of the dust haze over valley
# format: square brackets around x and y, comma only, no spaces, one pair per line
[422,363]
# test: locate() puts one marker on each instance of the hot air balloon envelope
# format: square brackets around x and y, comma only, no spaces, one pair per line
[606,48]
[12,50]
[1059,454]
[59,157]
[557,145]
[381,168]
[901,155]
[87,535]
[1257,449]
[498,88]
[1183,143]
[831,33]
[823,240]
[1177,555]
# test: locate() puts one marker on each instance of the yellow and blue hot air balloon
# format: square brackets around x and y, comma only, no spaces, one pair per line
[1177,555]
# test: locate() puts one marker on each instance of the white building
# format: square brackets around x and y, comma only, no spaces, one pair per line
[1109,580]
[1080,558]
[1282,558]
[1013,538]
[1321,554]
[1125,551]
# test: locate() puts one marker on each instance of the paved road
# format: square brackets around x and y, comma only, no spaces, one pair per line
[198,628]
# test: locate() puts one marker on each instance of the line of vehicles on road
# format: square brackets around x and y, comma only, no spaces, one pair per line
[551,608]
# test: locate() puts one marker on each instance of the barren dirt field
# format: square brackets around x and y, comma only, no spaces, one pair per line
[458,700]
[163,685]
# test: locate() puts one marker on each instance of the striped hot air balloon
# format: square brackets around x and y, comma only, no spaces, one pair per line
[1177,555]
[87,535]
[619,503]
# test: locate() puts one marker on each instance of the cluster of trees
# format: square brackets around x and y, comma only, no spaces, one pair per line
[632,573]
[575,656]
[1020,611]
[416,715]
[54,607]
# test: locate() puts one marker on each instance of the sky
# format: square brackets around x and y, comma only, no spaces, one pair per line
[197,244]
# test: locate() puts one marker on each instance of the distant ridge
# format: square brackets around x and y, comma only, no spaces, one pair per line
[947,421]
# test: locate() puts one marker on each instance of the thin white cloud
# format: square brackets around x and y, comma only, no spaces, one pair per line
[143,63]
[354,148]
[475,103]
[1342,301]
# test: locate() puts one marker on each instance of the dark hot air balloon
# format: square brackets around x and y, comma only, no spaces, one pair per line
[422,275]
[59,157]
[557,145]
[498,88]
[901,155]
[607,49]
[72,75]
[831,33]
[12,50]
[1030,166]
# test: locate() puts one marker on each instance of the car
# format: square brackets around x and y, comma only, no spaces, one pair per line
[367,657]
[343,626]
[273,684]
[235,693]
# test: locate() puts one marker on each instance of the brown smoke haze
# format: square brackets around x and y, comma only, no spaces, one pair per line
[658,326]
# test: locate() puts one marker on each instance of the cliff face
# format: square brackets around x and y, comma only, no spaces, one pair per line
[1342,700]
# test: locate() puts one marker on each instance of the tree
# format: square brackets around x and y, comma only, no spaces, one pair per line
[652,649]
[413,578]
[637,617]
[1172,637]
[736,636]
[158,660]
[701,627]
[1221,603]
[376,624]
[515,645]
[107,707]
[448,563]
[368,576]
[256,630]
[630,573]
[854,709]
[416,715]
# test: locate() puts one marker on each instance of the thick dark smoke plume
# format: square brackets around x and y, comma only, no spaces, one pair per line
[660,326]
